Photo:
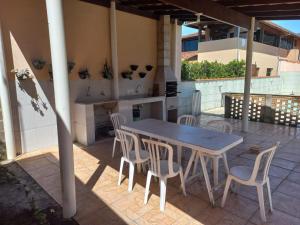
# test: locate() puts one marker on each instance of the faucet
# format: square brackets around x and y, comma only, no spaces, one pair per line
[139,86]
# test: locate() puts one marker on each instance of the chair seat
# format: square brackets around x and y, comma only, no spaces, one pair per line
[143,154]
[164,167]
[241,172]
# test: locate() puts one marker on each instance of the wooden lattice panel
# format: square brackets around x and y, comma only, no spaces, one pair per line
[287,110]
[255,107]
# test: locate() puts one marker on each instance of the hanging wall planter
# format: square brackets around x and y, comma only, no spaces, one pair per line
[142,74]
[38,64]
[22,74]
[107,73]
[71,66]
[149,67]
[127,75]
[84,74]
[134,67]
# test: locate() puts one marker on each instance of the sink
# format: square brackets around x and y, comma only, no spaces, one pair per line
[129,97]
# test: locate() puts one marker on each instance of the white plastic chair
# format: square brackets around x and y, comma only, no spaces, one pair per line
[132,154]
[188,120]
[224,127]
[256,176]
[163,169]
[117,120]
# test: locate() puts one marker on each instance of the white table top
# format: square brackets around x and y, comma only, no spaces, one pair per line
[197,138]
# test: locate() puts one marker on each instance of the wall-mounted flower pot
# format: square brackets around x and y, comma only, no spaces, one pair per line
[71,66]
[134,67]
[127,75]
[84,74]
[38,64]
[107,73]
[149,67]
[142,74]
[22,74]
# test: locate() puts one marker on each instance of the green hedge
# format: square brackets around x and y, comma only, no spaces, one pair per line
[212,70]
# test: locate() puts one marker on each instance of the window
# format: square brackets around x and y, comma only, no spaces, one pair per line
[271,39]
[269,72]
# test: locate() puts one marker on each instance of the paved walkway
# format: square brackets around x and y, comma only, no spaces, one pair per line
[101,201]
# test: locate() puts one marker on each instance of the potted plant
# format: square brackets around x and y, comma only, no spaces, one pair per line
[134,67]
[84,74]
[22,74]
[149,67]
[127,75]
[142,74]
[107,73]
[38,64]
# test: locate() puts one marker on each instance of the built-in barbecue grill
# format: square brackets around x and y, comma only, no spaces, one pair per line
[165,82]
[171,89]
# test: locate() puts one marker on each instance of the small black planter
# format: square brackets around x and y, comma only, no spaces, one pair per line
[134,67]
[149,67]
[84,74]
[38,64]
[127,75]
[142,74]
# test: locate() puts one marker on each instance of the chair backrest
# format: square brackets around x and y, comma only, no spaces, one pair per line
[188,120]
[117,120]
[156,151]
[262,164]
[129,142]
[220,125]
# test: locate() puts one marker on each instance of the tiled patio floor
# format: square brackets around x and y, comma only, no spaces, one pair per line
[101,201]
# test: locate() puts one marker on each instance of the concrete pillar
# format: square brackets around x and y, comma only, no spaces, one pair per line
[176,50]
[199,32]
[114,49]
[207,34]
[248,75]
[238,31]
[62,104]
[6,105]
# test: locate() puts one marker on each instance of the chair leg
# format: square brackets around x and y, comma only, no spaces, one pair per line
[225,163]
[270,194]
[114,147]
[182,182]
[227,186]
[215,161]
[260,192]
[163,192]
[147,187]
[121,171]
[179,154]
[195,164]
[131,174]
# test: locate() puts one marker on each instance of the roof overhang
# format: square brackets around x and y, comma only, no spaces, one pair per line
[234,12]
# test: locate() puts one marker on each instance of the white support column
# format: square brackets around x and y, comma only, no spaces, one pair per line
[114,49]
[199,31]
[248,75]
[6,104]
[176,50]
[238,57]
[62,103]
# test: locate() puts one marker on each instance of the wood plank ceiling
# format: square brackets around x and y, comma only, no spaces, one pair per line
[224,10]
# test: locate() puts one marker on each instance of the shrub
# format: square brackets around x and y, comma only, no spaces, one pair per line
[212,70]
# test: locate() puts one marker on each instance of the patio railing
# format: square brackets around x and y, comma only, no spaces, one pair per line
[277,109]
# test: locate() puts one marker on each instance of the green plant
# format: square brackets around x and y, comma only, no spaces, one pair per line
[212,70]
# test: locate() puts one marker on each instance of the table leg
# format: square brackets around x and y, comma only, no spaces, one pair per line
[208,186]
[188,168]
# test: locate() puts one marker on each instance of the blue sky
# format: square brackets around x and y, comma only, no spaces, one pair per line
[292,25]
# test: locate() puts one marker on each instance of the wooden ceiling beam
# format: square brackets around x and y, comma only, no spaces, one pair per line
[213,10]
[139,2]
[276,13]
[157,7]
[264,8]
[234,3]
[278,18]
[175,13]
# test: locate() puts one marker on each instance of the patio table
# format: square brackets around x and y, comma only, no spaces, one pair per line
[202,141]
